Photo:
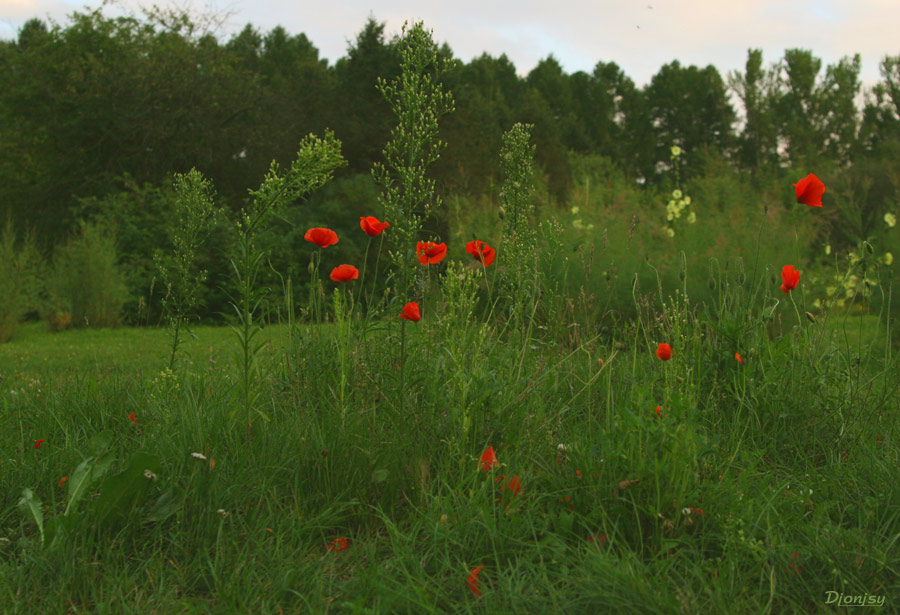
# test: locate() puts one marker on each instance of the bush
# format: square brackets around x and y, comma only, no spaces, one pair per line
[85,286]
[19,280]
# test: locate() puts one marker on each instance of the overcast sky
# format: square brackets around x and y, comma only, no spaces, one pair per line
[639,35]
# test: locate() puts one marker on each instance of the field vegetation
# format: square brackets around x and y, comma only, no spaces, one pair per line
[545,345]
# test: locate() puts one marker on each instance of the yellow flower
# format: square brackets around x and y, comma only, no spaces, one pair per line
[670,232]
[676,193]
[692,217]
[669,216]
[817,303]
[676,151]
[890,219]
[828,249]
[577,223]
[575,210]
[831,290]
[888,258]
[840,302]
[687,200]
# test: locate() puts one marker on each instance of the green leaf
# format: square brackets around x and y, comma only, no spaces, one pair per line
[87,473]
[122,492]
[33,504]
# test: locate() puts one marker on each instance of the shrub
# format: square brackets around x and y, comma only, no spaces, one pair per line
[85,281]
[19,280]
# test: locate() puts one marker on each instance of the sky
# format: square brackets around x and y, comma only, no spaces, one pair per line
[639,35]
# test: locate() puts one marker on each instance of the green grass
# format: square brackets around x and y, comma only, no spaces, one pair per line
[780,453]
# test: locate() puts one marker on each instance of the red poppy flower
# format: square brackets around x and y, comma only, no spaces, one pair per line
[372,226]
[322,237]
[482,252]
[132,417]
[514,485]
[738,357]
[488,459]
[38,444]
[338,544]
[62,481]
[790,277]
[431,253]
[659,411]
[810,190]
[344,273]
[411,312]
[472,581]
[664,352]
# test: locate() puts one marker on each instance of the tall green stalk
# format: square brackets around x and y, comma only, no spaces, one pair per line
[418,99]
[316,161]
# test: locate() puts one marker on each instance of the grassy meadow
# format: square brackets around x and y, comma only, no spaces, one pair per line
[636,408]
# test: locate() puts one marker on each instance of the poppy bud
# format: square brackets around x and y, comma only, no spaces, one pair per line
[712,284]
[741,278]
[869,248]
[604,330]
[681,275]
[311,268]
[810,317]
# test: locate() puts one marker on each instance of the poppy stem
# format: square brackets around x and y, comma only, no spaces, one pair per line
[402,361]
[375,275]
[362,280]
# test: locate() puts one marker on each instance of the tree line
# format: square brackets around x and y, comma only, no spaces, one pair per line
[85,105]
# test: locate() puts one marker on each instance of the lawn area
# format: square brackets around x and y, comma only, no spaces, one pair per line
[505,475]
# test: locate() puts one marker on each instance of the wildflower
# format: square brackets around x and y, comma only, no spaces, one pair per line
[132,417]
[431,253]
[344,273]
[411,312]
[878,438]
[222,512]
[664,352]
[514,485]
[692,217]
[810,190]
[149,475]
[62,481]
[676,151]
[738,357]
[888,258]
[659,411]
[686,200]
[199,456]
[578,473]
[790,277]
[482,252]
[575,210]
[472,581]
[488,459]
[372,226]
[670,232]
[676,194]
[827,249]
[338,545]
[599,539]
[322,237]
[38,444]
[890,219]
